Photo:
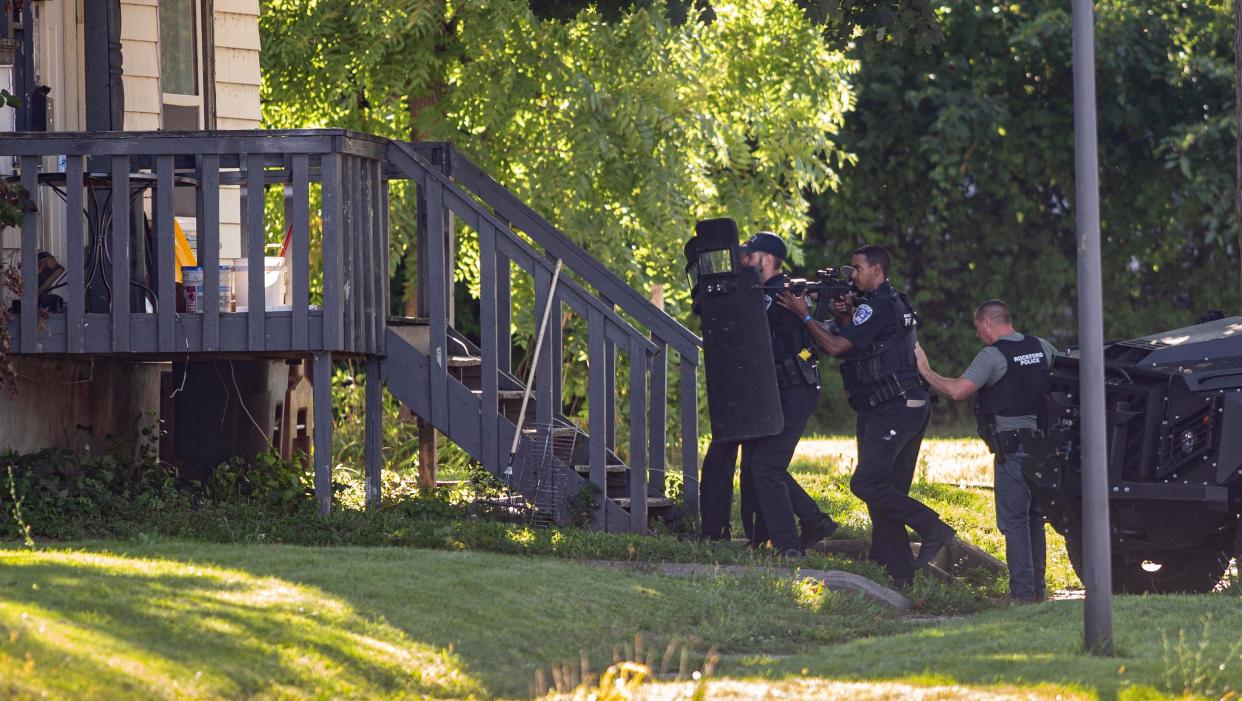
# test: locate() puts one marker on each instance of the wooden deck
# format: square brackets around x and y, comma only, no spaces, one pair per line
[335,187]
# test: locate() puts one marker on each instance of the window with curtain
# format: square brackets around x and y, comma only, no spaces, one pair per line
[178,47]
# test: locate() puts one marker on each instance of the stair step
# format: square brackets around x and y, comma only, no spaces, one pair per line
[408,321]
[652,502]
[559,431]
[610,469]
[464,361]
[503,393]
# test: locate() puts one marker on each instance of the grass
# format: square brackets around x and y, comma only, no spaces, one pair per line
[248,616]
[191,620]
[171,619]
[1039,649]
[961,461]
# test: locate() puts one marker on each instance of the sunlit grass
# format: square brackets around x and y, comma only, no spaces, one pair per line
[961,461]
[81,624]
[188,620]
[1040,648]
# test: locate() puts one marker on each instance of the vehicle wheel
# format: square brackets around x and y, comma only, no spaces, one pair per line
[1191,571]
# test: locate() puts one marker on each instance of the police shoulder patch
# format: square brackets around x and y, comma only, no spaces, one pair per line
[862,313]
[767,301]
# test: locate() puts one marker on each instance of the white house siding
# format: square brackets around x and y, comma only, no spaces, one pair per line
[237,64]
[236,30]
[140,31]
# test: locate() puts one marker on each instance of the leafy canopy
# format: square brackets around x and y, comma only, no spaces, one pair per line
[621,132]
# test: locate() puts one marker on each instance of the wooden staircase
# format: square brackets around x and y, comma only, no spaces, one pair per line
[468,390]
[337,207]
[408,344]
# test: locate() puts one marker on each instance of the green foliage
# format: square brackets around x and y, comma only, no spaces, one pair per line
[621,132]
[965,168]
[64,494]
[14,203]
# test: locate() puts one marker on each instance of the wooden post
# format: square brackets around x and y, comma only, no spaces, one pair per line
[322,397]
[422,307]
[426,454]
[373,427]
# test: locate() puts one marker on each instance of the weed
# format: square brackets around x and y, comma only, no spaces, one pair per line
[1188,671]
[17,512]
[633,665]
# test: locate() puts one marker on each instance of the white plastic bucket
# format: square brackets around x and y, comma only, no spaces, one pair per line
[273,283]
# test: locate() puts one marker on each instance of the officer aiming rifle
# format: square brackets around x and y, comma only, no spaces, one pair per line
[830,288]
[874,336]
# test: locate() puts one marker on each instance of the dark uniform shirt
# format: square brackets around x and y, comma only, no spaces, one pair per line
[789,333]
[876,321]
[872,323]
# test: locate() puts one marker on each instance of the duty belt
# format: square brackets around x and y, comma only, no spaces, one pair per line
[884,390]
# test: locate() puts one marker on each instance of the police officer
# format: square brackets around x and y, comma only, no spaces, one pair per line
[876,341]
[1007,378]
[777,496]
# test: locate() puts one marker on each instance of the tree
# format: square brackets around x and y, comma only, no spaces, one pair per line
[620,132]
[965,168]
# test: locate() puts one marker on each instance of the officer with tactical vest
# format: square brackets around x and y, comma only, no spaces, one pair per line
[875,341]
[765,461]
[1008,378]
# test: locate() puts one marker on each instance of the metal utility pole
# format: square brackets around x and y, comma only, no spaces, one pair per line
[1237,115]
[1096,557]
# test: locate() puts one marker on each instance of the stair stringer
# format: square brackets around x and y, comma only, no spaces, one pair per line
[406,372]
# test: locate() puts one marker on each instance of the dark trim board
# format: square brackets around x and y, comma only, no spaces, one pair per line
[144,338]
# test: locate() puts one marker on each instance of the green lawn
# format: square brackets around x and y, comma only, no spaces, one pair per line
[1175,643]
[467,607]
[188,620]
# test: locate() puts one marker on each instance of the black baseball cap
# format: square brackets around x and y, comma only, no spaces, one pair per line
[766,242]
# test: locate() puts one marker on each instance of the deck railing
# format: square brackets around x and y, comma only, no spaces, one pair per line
[96,173]
[450,182]
[336,183]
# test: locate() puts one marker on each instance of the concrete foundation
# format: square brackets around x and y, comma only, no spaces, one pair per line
[77,404]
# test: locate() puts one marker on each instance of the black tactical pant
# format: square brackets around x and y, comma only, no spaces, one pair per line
[720,464]
[766,460]
[716,494]
[889,437]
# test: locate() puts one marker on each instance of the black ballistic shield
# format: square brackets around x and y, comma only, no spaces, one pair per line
[742,397]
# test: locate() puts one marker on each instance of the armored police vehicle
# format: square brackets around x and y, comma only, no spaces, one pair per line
[1174,442]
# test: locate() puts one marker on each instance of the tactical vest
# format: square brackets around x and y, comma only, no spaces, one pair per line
[793,347]
[1020,391]
[885,369]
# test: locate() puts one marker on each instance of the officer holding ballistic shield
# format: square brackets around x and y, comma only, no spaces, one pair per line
[756,404]
[766,460]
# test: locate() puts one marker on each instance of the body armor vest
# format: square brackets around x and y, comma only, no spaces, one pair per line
[1020,391]
[894,355]
[887,368]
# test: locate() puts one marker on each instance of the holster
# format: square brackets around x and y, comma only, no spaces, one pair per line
[1016,441]
[794,371]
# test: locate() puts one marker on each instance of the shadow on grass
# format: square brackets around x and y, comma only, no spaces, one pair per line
[77,624]
[365,622]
